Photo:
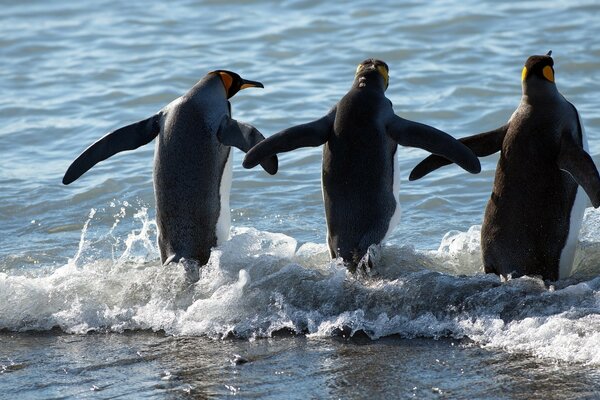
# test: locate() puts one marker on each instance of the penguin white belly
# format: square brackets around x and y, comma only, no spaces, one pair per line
[326,224]
[396,191]
[567,255]
[224,221]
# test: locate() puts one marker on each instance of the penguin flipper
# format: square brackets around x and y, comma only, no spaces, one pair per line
[415,134]
[311,134]
[244,136]
[126,138]
[573,159]
[482,144]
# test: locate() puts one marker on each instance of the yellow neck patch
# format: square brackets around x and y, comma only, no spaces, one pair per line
[548,73]
[524,74]
[227,80]
[385,75]
[382,71]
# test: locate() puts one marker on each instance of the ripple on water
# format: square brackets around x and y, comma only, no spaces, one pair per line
[75,71]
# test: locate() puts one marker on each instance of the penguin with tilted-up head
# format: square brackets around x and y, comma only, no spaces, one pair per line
[533,217]
[192,164]
[360,177]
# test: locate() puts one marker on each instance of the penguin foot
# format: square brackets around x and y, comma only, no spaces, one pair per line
[192,270]
[370,260]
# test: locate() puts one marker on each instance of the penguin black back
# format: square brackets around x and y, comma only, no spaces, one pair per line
[360,178]
[534,213]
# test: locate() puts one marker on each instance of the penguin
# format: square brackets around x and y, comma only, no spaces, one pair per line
[192,164]
[360,177]
[532,219]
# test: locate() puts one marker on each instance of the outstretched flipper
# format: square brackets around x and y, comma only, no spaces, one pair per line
[573,159]
[244,136]
[482,144]
[414,134]
[311,134]
[126,138]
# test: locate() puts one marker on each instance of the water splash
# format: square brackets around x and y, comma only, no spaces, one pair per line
[140,246]
[259,283]
[83,244]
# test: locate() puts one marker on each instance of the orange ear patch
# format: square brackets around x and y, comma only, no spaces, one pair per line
[227,80]
[548,73]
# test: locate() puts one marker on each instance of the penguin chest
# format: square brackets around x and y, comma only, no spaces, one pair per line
[395,219]
[224,220]
[575,219]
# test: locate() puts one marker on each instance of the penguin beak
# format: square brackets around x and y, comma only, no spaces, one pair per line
[247,84]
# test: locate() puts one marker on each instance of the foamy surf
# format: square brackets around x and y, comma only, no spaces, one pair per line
[259,283]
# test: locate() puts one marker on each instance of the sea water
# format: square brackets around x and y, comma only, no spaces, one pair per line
[86,309]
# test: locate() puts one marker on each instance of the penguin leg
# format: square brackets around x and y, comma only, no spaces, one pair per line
[573,159]
[332,250]
[482,144]
[367,255]
[370,259]
[127,138]
[244,136]
[414,134]
[311,134]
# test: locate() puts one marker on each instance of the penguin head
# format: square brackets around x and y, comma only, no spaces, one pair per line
[233,83]
[538,69]
[372,70]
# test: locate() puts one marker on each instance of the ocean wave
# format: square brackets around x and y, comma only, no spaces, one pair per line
[259,283]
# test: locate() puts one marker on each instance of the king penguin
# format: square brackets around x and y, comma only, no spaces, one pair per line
[192,164]
[532,219]
[360,177]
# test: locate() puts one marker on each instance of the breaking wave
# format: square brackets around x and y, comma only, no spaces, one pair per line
[260,283]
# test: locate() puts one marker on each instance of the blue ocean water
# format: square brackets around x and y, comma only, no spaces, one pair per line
[86,309]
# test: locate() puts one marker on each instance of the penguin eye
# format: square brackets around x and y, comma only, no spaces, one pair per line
[548,73]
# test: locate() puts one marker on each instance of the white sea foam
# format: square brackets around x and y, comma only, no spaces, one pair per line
[259,283]
[460,252]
